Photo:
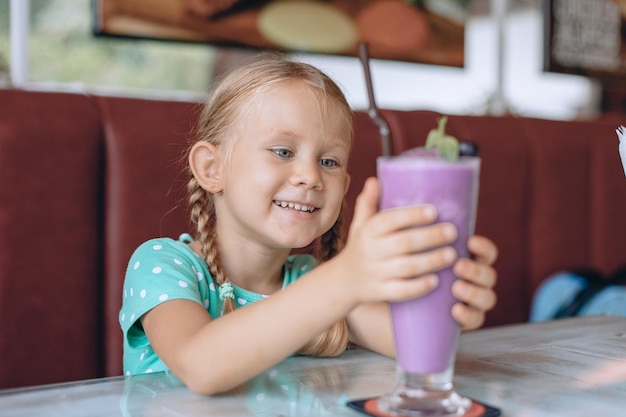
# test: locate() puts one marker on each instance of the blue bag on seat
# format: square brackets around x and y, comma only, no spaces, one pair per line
[586,293]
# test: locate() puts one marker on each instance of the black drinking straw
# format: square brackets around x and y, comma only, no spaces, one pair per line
[372,111]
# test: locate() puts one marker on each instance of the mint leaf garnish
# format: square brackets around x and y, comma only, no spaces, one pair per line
[446,145]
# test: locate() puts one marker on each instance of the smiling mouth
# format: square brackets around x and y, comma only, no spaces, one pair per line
[295,206]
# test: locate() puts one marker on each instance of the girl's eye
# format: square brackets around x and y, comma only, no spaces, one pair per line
[283,153]
[328,163]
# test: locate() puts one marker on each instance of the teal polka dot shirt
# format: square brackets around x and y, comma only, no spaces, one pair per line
[165,269]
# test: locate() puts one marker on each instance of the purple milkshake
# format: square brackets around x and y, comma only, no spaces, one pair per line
[424,329]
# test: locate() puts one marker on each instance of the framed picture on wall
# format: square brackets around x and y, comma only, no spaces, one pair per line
[586,37]
[420,31]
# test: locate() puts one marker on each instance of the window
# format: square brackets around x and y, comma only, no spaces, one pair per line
[64,54]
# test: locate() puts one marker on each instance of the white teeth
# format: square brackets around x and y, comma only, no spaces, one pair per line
[295,206]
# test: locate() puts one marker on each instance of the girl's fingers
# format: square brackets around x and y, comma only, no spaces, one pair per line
[468,318]
[366,204]
[475,288]
[483,249]
[476,297]
[477,273]
[390,220]
[395,219]
[414,240]
[408,267]
[402,290]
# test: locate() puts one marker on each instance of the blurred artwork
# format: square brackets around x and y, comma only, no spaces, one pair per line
[586,37]
[420,31]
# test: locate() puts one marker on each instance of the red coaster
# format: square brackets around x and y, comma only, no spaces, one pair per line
[369,406]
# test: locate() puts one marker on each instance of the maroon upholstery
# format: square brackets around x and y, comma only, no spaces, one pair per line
[576,209]
[84,180]
[50,238]
[146,190]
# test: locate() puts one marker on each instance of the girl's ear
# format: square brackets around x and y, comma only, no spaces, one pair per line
[206,164]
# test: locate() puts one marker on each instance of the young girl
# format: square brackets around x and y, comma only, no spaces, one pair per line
[269,174]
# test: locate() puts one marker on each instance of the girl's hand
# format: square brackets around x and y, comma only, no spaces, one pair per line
[474,289]
[385,252]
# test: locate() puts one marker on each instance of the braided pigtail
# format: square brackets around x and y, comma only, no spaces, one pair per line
[334,340]
[331,342]
[203,215]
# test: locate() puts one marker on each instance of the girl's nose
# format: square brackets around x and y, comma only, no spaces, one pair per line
[307,174]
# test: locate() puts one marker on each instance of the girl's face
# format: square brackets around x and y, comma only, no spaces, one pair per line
[286,175]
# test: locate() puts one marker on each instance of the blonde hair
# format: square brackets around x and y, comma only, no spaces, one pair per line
[227,99]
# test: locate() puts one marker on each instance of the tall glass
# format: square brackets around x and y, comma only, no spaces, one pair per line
[424,330]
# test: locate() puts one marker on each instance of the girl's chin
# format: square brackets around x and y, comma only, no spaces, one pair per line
[299,243]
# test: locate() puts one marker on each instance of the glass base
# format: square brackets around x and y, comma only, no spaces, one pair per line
[422,395]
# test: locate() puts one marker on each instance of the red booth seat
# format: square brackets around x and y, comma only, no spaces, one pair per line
[85,179]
